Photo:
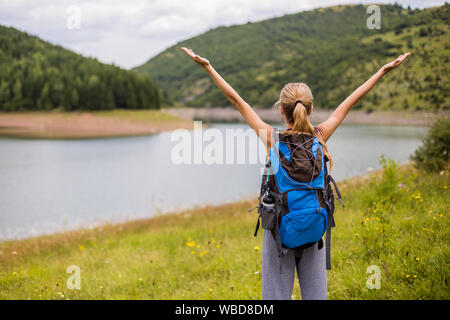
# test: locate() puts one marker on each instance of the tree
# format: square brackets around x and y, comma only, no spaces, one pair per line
[44,101]
[17,95]
[5,94]
[74,99]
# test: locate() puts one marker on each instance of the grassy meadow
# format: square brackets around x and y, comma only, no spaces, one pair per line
[394,219]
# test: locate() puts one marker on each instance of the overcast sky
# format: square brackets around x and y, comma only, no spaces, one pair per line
[129,32]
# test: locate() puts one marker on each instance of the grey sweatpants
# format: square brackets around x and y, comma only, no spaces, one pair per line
[311,270]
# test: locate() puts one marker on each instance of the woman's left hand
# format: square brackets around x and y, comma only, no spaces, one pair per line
[394,64]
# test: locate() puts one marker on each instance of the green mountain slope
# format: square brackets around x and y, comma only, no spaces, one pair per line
[36,75]
[331,49]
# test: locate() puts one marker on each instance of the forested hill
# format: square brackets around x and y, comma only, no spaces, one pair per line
[331,49]
[36,75]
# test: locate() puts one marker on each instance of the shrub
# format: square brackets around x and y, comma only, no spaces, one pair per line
[433,154]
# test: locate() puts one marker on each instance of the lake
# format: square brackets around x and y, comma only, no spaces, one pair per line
[49,186]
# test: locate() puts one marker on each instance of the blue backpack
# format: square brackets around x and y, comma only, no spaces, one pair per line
[296,202]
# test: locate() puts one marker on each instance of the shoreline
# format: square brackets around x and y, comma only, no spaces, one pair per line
[126,224]
[87,125]
[126,123]
[405,118]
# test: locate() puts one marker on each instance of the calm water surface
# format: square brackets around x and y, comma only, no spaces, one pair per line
[54,185]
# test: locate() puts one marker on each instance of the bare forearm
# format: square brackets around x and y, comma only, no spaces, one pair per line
[246,111]
[226,89]
[329,126]
[351,100]
[250,116]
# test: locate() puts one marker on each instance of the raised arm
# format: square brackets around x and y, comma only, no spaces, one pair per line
[263,130]
[328,127]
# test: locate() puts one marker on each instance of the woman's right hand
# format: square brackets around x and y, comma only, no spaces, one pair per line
[200,60]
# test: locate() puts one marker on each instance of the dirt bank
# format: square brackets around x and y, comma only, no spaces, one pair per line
[88,125]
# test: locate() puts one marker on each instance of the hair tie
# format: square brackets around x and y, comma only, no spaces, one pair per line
[298,101]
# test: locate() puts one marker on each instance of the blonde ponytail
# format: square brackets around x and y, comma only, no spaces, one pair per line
[301,121]
[296,101]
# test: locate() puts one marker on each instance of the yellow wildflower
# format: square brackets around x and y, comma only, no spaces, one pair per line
[190,243]
[202,253]
[256,248]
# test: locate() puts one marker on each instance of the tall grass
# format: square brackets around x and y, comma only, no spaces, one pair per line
[396,219]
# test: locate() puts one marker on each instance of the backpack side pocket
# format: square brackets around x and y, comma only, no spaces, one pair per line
[268,217]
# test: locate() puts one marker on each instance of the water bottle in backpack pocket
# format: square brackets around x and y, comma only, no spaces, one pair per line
[267,212]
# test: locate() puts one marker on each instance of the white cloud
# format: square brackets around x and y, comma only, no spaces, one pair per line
[128,32]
